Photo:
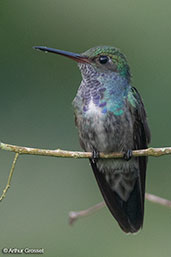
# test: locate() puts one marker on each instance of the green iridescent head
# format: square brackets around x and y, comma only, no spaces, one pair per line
[108,58]
[102,58]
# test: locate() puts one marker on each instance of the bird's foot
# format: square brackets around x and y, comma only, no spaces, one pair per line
[95,156]
[127,155]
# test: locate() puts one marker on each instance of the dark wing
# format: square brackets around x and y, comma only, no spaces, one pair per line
[141,129]
[141,138]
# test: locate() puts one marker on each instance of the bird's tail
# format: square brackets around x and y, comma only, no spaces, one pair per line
[129,214]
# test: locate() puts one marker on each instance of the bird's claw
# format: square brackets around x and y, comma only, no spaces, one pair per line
[128,155]
[95,156]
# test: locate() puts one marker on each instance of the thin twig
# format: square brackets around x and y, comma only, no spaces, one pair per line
[156,152]
[9,177]
[158,200]
[75,215]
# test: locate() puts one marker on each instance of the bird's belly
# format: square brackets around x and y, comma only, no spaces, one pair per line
[106,133]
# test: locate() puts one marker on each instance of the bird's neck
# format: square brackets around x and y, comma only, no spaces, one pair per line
[103,92]
[110,83]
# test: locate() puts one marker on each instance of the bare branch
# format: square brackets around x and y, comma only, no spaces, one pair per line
[158,200]
[75,215]
[9,177]
[156,152]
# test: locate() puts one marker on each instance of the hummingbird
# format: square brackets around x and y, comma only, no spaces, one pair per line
[110,117]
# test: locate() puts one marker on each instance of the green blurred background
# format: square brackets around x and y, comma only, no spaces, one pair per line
[36,93]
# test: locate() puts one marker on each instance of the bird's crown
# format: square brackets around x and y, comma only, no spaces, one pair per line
[108,58]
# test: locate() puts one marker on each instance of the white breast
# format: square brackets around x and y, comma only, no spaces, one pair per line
[94,110]
[97,119]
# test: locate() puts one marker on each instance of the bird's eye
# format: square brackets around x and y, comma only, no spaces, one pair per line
[103,59]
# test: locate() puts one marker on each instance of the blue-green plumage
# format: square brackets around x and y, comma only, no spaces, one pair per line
[110,117]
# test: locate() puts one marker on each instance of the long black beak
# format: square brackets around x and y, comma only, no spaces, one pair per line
[76,57]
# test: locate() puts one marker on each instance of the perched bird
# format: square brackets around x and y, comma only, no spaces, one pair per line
[110,117]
